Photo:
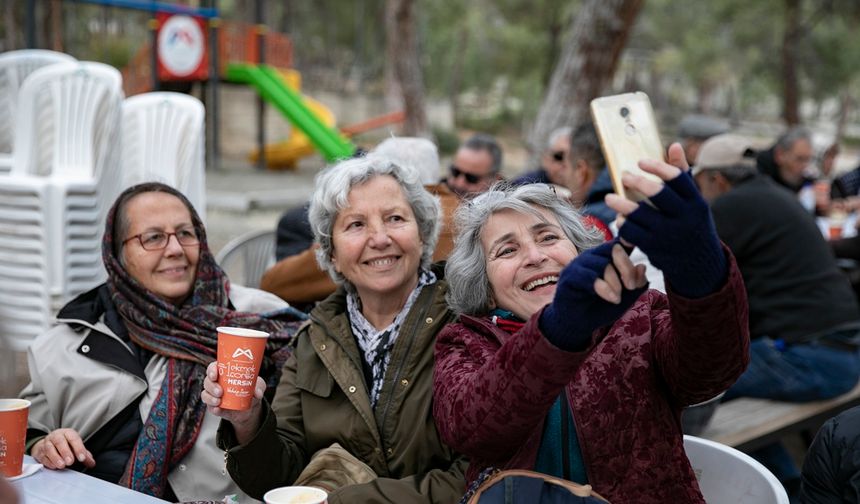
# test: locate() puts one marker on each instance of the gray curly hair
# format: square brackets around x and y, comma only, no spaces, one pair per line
[331,195]
[469,290]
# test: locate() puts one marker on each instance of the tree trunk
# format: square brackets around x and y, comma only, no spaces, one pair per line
[402,45]
[845,105]
[56,25]
[10,26]
[456,81]
[554,29]
[790,43]
[588,61]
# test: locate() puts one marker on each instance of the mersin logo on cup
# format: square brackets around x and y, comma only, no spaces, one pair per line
[246,352]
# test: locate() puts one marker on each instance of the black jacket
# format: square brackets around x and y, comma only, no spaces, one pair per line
[794,287]
[831,470]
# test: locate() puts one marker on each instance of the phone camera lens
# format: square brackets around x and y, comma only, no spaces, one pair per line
[625,112]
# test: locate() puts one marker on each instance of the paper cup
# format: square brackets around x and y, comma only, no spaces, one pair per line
[13,435]
[296,495]
[240,353]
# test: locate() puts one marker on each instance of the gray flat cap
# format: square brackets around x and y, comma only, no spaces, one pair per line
[701,126]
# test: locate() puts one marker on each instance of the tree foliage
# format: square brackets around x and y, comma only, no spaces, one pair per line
[492,59]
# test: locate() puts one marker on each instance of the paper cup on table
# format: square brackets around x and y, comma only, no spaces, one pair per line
[296,495]
[13,435]
[836,223]
[240,353]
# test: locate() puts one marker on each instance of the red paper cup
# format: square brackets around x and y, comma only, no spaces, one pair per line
[240,353]
[13,435]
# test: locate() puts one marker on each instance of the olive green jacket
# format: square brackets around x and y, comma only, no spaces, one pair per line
[323,399]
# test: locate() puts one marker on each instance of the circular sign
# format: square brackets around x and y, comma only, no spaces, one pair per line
[181,45]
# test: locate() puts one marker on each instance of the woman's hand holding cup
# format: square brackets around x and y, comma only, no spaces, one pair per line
[245,422]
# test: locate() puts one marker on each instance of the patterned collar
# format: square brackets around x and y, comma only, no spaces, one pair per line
[376,344]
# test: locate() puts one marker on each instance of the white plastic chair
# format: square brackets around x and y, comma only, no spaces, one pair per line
[163,141]
[15,66]
[247,257]
[727,475]
[63,178]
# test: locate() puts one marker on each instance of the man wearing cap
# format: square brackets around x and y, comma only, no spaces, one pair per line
[804,318]
[694,129]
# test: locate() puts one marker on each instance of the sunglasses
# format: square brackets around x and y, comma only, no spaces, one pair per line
[558,156]
[470,177]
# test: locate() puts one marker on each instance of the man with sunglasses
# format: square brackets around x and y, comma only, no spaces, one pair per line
[476,165]
[552,169]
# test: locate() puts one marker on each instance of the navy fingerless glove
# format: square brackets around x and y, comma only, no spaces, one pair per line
[679,237]
[577,311]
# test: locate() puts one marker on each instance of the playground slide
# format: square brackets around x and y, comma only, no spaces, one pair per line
[286,153]
[304,114]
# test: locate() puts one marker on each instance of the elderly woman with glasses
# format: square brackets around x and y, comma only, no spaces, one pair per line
[562,361]
[115,386]
[361,373]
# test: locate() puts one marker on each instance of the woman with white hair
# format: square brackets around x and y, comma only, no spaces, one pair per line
[562,353]
[361,374]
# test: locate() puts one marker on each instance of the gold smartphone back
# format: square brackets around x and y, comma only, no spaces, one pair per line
[628,133]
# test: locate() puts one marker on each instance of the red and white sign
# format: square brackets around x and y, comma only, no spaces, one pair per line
[182,48]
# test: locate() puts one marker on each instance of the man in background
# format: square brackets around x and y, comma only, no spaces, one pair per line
[552,169]
[587,177]
[476,165]
[803,316]
[694,129]
[787,160]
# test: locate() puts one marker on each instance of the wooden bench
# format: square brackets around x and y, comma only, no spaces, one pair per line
[748,424]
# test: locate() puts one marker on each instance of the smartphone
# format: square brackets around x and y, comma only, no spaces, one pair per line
[628,132]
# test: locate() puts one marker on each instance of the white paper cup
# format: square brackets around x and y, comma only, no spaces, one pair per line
[296,495]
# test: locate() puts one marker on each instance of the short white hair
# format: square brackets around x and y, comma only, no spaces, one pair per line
[416,153]
[331,195]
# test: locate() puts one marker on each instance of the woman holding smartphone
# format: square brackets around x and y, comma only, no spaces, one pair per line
[562,353]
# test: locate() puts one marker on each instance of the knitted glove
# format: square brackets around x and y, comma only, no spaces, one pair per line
[679,237]
[577,311]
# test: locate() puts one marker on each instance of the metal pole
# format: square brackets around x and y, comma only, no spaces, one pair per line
[261,104]
[213,112]
[153,58]
[30,20]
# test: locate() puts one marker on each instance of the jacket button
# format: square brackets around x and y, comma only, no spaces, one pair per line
[85,349]
[390,452]
[322,347]
[404,382]
[181,467]
[352,389]
[429,320]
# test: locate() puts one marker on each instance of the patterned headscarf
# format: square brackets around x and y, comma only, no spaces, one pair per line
[187,335]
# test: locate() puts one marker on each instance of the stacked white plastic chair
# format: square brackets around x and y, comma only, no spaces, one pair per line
[163,141]
[53,203]
[15,66]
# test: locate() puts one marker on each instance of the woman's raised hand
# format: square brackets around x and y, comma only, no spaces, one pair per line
[593,291]
[245,422]
[62,448]
[677,233]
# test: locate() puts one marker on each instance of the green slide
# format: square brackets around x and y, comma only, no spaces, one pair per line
[272,88]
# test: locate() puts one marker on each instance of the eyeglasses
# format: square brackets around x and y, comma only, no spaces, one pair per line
[558,156]
[470,177]
[157,240]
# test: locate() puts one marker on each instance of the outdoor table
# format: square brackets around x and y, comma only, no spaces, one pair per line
[72,487]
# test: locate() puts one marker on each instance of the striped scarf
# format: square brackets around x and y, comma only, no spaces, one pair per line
[187,336]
